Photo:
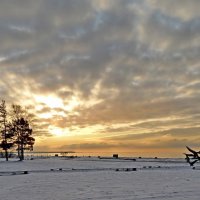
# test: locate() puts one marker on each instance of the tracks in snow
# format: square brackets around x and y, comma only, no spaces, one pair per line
[72,170]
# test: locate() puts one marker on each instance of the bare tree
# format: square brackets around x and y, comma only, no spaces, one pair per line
[7,133]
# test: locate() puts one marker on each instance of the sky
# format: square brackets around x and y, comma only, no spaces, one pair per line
[114,76]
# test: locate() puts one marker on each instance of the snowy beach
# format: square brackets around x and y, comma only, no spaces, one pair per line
[93,178]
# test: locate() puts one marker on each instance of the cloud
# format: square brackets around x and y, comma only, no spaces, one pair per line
[187,11]
[122,61]
[183,133]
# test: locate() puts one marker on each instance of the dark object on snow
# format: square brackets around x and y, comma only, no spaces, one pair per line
[115,156]
[193,162]
[192,157]
[188,159]
[195,153]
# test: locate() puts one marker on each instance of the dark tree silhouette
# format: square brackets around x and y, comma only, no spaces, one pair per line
[7,132]
[17,113]
[24,139]
[192,157]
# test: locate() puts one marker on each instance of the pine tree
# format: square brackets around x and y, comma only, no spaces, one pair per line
[24,139]
[17,113]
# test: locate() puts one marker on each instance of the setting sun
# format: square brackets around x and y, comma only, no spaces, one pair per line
[55,131]
[50,101]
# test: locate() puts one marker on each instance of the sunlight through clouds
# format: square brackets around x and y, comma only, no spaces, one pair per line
[57,132]
[51,101]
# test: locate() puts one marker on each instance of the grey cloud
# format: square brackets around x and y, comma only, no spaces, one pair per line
[187,10]
[133,146]
[171,30]
[181,133]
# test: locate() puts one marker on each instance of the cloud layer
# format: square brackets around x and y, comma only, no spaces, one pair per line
[119,67]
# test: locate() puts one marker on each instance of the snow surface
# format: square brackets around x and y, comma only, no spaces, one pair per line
[92,178]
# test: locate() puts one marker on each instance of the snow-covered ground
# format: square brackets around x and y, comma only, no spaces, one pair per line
[92,178]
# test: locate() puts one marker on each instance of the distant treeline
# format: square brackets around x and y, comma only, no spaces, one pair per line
[16,131]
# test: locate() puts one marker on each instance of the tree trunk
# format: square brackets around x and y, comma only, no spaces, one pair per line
[21,151]
[5,138]
[6,154]
[18,150]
